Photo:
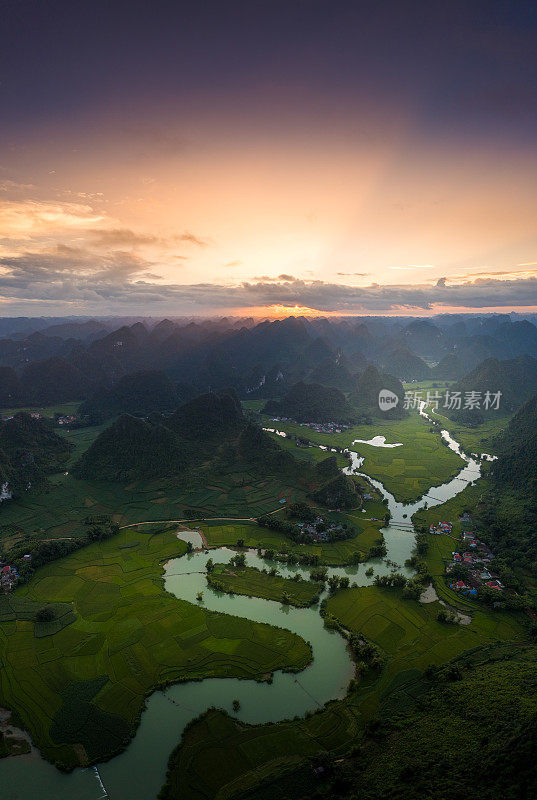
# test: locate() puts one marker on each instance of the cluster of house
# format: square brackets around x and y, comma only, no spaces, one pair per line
[442,527]
[320,530]
[9,575]
[67,419]
[477,559]
[34,415]
[319,427]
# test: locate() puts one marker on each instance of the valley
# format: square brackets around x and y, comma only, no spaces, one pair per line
[115,591]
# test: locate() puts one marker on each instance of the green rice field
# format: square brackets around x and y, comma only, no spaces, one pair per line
[80,687]
[407,472]
[255,583]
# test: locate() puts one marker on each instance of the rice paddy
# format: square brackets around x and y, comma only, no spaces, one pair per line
[407,472]
[80,689]
[347,551]
[409,635]
[255,583]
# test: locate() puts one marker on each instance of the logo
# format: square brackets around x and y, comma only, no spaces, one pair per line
[387,400]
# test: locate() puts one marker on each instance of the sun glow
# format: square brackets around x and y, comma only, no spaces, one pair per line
[279,311]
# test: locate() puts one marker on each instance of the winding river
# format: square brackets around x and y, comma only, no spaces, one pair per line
[138,772]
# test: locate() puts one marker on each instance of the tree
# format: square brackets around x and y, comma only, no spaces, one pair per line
[45,614]
[209,565]
[240,542]
[238,560]
[189,547]
[344,582]
[333,583]
[199,597]
[319,574]
[236,705]
[286,600]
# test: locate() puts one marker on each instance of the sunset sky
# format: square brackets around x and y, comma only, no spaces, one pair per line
[252,157]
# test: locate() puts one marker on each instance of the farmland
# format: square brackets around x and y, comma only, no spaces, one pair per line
[80,687]
[255,583]
[407,472]
[409,635]
[218,758]
[220,534]
[61,509]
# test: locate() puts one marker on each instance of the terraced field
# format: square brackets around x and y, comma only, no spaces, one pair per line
[254,583]
[80,687]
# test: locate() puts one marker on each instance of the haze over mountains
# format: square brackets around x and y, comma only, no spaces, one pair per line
[45,361]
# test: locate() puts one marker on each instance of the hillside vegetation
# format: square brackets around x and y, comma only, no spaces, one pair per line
[29,451]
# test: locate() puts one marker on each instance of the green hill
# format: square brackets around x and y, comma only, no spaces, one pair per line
[140,393]
[515,378]
[365,398]
[311,402]
[132,448]
[29,450]
[507,514]
[209,431]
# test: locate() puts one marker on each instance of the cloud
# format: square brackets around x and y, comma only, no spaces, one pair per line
[269,279]
[190,238]
[27,218]
[71,276]
[354,274]
[113,237]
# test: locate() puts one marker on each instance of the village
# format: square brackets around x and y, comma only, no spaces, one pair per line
[475,561]
[321,530]
[318,427]
[9,575]
[59,419]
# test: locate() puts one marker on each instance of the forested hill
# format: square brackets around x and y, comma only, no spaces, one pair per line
[207,416]
[132,448]
[515,378]
[139,392]
[29,450]
[311,402]
[517,450]
[365,398]
[209,431]
[508,513]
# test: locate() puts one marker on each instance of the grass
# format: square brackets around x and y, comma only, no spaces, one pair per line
[69,409]
[407,472]
[440,547]
[333,554]
[255,583]
[409,635]
[80,690]
[474,440]
[219,758]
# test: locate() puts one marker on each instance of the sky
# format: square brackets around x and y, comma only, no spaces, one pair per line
[265,158]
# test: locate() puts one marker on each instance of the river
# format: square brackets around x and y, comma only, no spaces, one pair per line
[138,772]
